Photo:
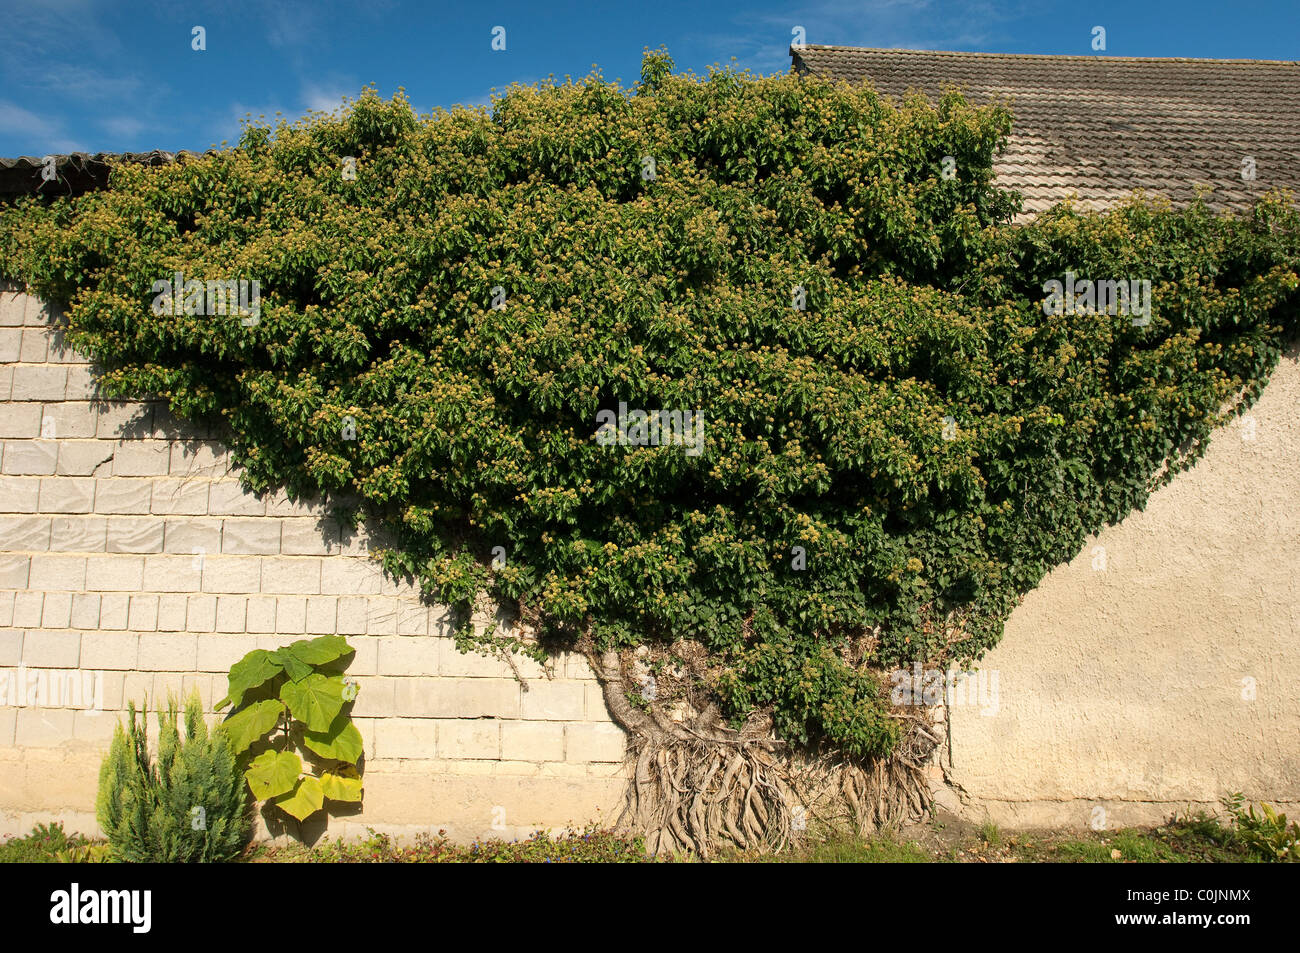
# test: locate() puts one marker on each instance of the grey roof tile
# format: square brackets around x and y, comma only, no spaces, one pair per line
[1103,126]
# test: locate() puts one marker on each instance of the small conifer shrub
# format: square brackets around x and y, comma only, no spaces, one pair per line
[189,806]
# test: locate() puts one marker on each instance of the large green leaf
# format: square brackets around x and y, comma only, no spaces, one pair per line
[249,724]
[342,785]
[273,773]
[296,668]
[315,701]
[320,650]
[307,798]
[256,668]
[342,741]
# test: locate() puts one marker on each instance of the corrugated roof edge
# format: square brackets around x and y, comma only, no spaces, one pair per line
[76,172]
[794,51]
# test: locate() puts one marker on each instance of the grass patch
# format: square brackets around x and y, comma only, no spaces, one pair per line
[1188,839]
[44,845]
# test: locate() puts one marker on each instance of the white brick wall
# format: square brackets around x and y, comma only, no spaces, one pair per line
[128,548]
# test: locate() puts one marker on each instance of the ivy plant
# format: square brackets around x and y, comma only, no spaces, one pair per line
[898,439]
[291,702]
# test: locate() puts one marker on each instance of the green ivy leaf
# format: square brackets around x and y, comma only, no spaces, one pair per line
[307,798]
[341,742]
[273,773]
[294,666]
[315,701]
[319,651]
[342,785]
[249,724]
[255,669]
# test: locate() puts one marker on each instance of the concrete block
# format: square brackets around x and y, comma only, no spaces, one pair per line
[231,613]
[532,740]
[381,616]
[346,575]
[19,494]
[30,457]
[457,698]
[375,698]
[71,420]
[115,573]
[28,608]
[56,611]
[352,615]
[20,421]
[407,738]
[261,614]
[83,383]
[39,382]
[174,573]
[595,742]
[143,614]
[78,534]
[171,612]
[123,496]
[554,701]
[472,740]
[67,495]
[232,574]
[199,457]
[11,644]
[412,619]
[31,533]
[82,457]
[321,615]
[43,728]
[12,304]
[58,571]
[292,575]
[34,346]
[201,614]
[46,649]
[309,537]
[365,656]
[135,534]
[291,615]
[139,458]
[250,536]
[228,498]
[471,664]
[113,609]
[402,656]
[168,652]
[217,653]
[121,419]
[10,344]
[185,535]
[85,610]
[110,651]
[180,497]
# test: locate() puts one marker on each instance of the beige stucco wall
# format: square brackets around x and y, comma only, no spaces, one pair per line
[1171,676]
[128,549]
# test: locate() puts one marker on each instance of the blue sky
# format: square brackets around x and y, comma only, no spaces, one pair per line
[104,76]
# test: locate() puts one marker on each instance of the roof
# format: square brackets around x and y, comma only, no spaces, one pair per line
[76,172]
[1099,127]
